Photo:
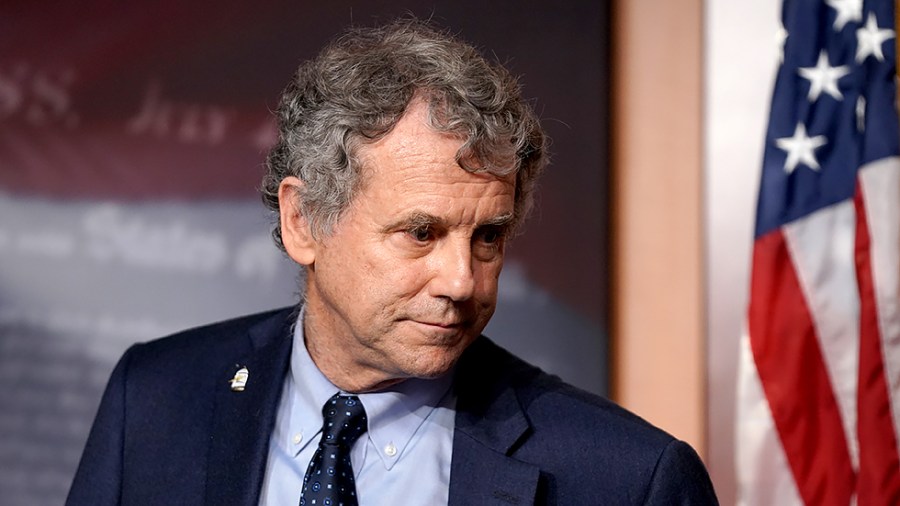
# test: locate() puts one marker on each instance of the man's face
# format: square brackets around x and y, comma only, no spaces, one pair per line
[408,278]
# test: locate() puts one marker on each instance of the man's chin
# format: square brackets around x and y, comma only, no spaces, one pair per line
[431,362]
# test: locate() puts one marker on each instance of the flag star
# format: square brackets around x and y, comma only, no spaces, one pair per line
[861,113]
[847,10]
[870,38]
[780,38]
[800,149]
[823,77]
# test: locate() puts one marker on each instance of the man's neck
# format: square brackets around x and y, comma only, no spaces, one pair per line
[336,364]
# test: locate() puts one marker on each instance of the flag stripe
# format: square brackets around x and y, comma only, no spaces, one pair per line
[761,464]
[881,194]
[794,377]
[879,465]
[821,247]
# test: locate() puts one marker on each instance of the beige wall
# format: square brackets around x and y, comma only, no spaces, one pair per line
[658,344]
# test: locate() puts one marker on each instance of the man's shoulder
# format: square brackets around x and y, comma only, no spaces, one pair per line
[587,448]
[213,342]
[217,333]
[556,409]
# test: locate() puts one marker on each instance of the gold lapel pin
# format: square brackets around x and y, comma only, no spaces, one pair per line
[239,381]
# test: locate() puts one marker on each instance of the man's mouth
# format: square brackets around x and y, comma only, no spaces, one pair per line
[443,325]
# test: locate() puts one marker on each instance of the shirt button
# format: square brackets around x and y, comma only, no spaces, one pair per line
[390,450]
[297,438]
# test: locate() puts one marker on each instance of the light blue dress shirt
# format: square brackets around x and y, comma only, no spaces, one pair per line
[403,458]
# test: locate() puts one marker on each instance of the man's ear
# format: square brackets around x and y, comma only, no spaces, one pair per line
[295,231]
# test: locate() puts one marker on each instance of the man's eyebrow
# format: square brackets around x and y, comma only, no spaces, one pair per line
[413,220]
[421,219]
[503,220]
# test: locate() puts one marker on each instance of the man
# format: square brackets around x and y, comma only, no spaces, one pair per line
[404,163]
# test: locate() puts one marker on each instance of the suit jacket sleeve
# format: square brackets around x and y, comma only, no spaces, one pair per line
[98,481]
[680,478]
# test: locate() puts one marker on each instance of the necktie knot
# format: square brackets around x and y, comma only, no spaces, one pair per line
[344,420]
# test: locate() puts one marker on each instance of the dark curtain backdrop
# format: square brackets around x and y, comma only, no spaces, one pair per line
[132,137]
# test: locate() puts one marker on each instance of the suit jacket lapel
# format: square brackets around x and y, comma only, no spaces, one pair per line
[243,421]
[490,424]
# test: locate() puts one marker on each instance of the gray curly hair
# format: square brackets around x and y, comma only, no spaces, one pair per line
[360,86]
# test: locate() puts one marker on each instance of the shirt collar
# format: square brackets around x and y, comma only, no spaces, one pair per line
[394,414]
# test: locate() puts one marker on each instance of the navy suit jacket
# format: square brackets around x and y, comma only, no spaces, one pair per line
[171,431]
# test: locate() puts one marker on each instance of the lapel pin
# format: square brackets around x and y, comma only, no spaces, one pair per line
[239,381]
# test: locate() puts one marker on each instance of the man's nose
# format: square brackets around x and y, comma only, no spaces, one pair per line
[453,273]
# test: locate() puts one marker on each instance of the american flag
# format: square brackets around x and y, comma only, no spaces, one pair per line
[819,388]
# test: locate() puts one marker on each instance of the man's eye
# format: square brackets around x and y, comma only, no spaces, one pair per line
[421,234]
[491,236]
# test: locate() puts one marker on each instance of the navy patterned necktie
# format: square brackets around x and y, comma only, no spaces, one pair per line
[329,478]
